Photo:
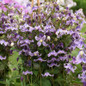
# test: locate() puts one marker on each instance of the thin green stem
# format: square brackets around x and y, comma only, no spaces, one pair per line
[40,75]
[52,77]
[31,75]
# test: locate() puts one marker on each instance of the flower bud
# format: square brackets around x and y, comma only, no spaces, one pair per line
[55,39]
[16,16]
[21,78]
[48,38]
[64,18]
[0,11]
[12,44]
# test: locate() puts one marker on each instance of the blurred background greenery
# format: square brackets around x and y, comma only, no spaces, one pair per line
[80,4]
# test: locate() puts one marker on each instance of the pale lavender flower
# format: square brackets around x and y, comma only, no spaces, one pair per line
[53,64]
[69,67]
[31,29]
[81,57]
[27,72]
[39,28]
[63,58]
[4,42]
[39,59]
[53,53]
[52,60]
[61,32]
[47,74]
[41,40]
[61,52]
[49,28]
[30,53]
[2,58]
[36,53]
[82,76]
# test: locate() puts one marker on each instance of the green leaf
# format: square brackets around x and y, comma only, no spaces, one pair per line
[2,67]
[35,73]
[45,82]
[2,82]
[34,84]
[77,82]
[7,82]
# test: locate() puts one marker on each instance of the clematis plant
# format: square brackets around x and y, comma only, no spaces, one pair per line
[45,42]
[8,28]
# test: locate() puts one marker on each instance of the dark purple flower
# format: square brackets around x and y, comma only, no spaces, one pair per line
[84,83]
[53,46]
[21,78]
[29,63]
[17,59]
[14,68]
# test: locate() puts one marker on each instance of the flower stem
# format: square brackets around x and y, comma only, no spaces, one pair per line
[40,75]
[31,75]
[52,78]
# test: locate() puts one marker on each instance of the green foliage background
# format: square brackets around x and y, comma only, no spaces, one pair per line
[80,4]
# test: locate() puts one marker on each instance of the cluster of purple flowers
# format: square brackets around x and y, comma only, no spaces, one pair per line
[44,40]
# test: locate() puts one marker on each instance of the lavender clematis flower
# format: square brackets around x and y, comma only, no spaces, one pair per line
[2,58]
[81,57]
[4,42]
[53,53]
[61,52]
[69,67]
[61,32]
[27,72]
[39,59]
[31,29]
[52,60]
[53,64]
[47,74]
[38,28]
[36,53]
[63,58]
[31,54]
[82,76]
[49,28]
[41,40]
